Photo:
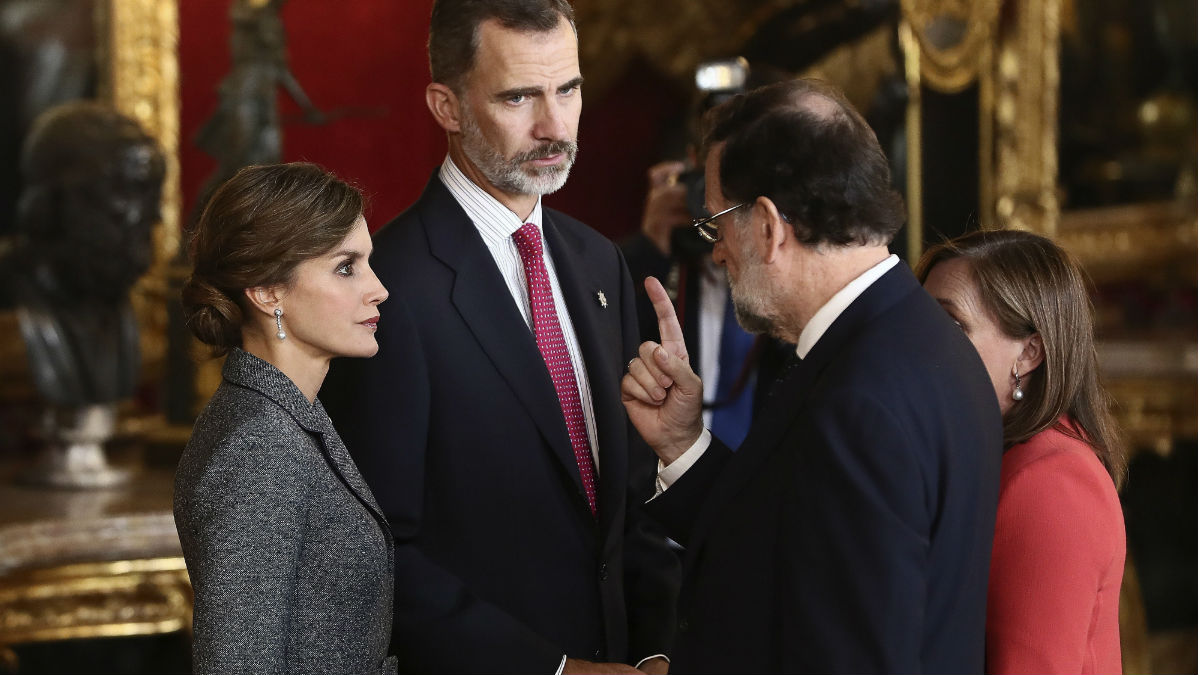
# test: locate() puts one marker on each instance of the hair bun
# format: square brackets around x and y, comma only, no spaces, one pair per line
[212,316]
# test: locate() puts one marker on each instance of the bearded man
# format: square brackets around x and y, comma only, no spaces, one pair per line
[490,426]
[851,532]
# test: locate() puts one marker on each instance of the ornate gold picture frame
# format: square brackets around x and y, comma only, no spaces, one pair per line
[141,79]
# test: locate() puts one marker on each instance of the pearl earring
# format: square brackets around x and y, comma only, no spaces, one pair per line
[279,324]
[1017,394]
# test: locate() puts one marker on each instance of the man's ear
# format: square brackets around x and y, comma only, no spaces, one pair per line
[265,298]
[770,229]
[444,105]
[1032,354]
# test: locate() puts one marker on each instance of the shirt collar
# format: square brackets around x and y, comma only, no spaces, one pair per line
[832,309]
[495,222]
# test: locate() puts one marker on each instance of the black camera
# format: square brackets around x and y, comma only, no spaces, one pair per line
[693,181]
[685,242]
[716,82]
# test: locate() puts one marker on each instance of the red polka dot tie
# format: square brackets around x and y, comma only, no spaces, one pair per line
[553,347]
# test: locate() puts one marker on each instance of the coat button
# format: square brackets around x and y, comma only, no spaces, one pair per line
[603,571]
[683,625]
[596,654]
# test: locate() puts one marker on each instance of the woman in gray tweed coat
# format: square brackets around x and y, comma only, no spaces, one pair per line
[289,555]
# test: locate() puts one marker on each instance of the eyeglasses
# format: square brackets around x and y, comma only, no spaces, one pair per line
[708,230]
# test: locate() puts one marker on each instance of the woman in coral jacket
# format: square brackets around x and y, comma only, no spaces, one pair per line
[1059,549]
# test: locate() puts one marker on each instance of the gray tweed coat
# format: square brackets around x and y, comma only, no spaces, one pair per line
[289,555]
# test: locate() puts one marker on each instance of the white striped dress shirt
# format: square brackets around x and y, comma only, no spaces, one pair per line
[496,224]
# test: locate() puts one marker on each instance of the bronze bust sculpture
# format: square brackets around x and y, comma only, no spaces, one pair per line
[83,237]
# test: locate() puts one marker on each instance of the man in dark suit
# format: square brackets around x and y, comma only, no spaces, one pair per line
[490,426]
[852,531]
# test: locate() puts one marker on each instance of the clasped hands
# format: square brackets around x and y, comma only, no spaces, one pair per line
[661,393]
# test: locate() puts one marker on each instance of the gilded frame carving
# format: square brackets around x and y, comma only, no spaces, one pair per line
[950,62]
[101,599]
[1014,58]
[140,76]
[1020,180]
[948,65]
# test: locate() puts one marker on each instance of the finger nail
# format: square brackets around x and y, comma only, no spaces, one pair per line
[661,355]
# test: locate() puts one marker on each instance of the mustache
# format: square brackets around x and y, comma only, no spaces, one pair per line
[569,148]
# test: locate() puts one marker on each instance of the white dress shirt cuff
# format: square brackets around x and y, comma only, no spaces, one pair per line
[667,475]
[652,656]
[563,664]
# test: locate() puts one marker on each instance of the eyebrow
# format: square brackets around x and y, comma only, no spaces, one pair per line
[347,253]
[536,91]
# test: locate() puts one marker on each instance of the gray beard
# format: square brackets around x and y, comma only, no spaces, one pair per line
[753,298]
[509,175]
[748,316]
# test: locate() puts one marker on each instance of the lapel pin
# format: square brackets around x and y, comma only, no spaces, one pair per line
[603,300]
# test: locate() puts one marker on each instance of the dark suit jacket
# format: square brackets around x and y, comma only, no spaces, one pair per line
[768,355]
[455,423]
[289,555]
[851,533]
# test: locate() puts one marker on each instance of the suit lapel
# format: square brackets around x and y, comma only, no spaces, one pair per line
[481,298]
[339,458]
[593,325]
[246,370]
[773,420]
[790,395]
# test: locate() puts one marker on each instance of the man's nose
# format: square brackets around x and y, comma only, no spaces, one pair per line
[552,123]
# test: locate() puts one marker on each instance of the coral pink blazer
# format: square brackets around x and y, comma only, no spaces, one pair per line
[1057,561]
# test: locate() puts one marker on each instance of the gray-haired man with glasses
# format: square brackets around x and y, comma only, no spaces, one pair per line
[851,532]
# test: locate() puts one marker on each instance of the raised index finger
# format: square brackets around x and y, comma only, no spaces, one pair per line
[669,333]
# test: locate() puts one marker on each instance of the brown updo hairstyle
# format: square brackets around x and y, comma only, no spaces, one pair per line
[1030,285]
[255,230]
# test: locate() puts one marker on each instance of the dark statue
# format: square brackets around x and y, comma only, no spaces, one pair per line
[83,237]
[245,129]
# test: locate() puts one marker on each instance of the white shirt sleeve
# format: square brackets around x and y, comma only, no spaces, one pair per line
[562,665]
[667,475]
[652,656]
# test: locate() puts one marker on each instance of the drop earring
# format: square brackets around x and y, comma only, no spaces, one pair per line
[279,324]
[1017,394]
